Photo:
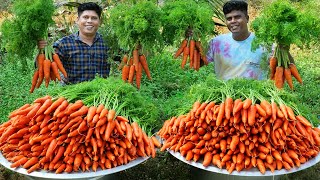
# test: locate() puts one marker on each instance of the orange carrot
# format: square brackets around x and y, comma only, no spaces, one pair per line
[123,62]
[143,61]
[247,103]
[131,74]
[55,70]
[40,60]
[125,72]
[288,77]
[272,65]
[139,75]
[46,71]
[135,55]
[295,73]
[182,46]
[51,148]
[32,161]
[191,49]
[54,105]
[207,159]
[34,80]
[252,115]
[185,56]
[279,77]
[228,107]
[57,60]
[261,166]
[44,106]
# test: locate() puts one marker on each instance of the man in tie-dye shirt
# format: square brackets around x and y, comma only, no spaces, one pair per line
[231,52]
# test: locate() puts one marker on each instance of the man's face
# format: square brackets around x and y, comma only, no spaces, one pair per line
[237,22]
[88,22]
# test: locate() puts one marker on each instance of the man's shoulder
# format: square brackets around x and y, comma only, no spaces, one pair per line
[66,39]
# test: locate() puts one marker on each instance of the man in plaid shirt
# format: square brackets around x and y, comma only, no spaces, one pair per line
[84,53]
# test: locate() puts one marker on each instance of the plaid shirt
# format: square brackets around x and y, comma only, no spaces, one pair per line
[81,61]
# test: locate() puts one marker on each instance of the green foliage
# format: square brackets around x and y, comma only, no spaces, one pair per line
[29,23]
[14,89]
[284,24]
[114,94]
[179,16]
[136,24]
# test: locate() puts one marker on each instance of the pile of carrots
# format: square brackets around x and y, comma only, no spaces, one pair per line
[48,67]
[59,136]
[241,134]
[282,69]
[193,53]
[132,69]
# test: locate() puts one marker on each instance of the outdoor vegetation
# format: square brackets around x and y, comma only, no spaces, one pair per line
[156,30]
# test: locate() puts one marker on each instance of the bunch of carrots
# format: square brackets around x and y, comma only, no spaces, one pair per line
[48,67]
[282,68]
[241,134]
[59,136]
[192,52]
[131,67]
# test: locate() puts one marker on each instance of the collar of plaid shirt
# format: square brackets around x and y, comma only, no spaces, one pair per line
[81,61]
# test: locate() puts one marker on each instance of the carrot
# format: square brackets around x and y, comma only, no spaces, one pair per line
[284,110]
[19,162]
[51,148]
[59,64]
[221,114]
[288,77]
[109,129]
[135,55]
[185,56]
[91,113]
[181,48]
[279,77]
[252,115]
[260,110]
[33,111]
[261,166]
[111,115]
[139,75]
[123,62]
[197,62]
[303,120]
[40,60]
[272,65]
[191,48]
[234,142]
[144,63]
[247,103]
[228,107]
[77,161]
[55,70]
[125,72]
[61,168]
[295,72]
[33,168]
[131,74]
[44,106]
[32,161]
[207,159]
[54,105]
[46,71]
[34,80]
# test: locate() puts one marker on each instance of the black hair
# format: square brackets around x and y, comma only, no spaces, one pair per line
[238,5]
[89,6]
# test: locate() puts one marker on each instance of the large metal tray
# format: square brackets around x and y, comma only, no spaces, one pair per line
[74,175]
[251,172]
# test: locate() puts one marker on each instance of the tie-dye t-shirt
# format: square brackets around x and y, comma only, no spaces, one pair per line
[234,58]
